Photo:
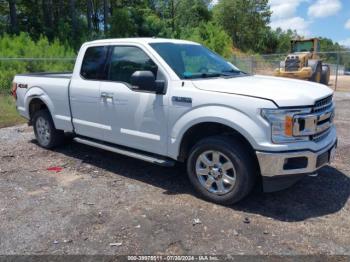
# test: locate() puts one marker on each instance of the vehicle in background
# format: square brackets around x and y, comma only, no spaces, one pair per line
[304,63]
[166,101]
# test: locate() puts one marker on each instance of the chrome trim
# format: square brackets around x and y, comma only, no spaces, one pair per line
[43,131]
[271,164]
[320,136]
[127,152]
[310,125]
[323,127]
[326,115]
[311,122]
[215,172]
[323,104]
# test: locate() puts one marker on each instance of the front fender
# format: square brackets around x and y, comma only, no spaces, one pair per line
[237,120]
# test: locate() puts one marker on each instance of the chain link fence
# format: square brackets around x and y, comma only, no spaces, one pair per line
[339,63]
[9,67]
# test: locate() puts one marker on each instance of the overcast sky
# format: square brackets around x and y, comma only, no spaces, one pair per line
[327,18]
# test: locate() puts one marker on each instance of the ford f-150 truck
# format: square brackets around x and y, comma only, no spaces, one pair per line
[167,101]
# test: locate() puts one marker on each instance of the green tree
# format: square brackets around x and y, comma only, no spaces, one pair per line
[284,39]
[22,46]
[122,24]
[244,20]
[180,14]
[191,13]
[332,49]
[75,21]
[327,45]
[212,36]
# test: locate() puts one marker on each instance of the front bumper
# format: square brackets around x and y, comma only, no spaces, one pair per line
[281,169]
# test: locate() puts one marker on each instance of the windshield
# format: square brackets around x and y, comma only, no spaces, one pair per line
[190,61]
[303,46]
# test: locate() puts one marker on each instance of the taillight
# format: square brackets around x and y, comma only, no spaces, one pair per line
[14,90]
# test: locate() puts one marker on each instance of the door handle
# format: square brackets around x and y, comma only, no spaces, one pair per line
[106,95]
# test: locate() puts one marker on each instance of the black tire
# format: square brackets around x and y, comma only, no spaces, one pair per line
[326,73]
[53,136]
[244,165]
[317,74]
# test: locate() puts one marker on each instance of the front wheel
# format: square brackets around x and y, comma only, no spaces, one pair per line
[317,75]
[325,74]
[221,170]
[45,132]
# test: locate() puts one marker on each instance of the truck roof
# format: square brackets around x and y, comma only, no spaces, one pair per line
[141,40]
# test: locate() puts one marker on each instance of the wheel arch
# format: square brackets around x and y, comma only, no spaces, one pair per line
[35,105]
[240,123]
[205,129]
[36,99]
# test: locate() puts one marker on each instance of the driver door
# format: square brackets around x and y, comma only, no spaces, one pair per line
[138,119]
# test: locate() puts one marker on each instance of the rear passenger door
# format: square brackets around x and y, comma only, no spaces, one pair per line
[138,119]
[85,93]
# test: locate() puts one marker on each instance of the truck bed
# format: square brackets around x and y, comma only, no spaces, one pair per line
[52,88]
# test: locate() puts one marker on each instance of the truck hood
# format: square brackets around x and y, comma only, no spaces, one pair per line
[283,91]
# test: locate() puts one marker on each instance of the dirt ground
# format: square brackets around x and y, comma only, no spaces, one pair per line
[104,203]
[343,82]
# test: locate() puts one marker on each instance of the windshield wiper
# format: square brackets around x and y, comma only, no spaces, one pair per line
[203,75]
[228,73]
[232,71]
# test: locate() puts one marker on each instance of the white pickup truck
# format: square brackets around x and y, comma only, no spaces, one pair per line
[165,100]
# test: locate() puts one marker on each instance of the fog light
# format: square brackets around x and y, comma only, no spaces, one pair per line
[295,163]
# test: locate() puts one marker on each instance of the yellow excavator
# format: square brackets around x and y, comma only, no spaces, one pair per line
[304,63]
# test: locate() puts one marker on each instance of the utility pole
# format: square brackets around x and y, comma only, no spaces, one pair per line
[337,69]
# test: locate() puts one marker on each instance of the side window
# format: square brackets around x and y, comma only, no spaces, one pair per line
[125,60]
[94,63]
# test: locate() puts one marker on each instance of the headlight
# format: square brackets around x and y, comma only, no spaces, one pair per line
[281,121]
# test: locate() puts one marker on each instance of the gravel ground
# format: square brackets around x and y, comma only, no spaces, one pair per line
[104,203]
[343,82]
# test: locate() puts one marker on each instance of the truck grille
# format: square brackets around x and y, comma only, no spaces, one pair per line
[323,104]
[319,137]
[292,64]
[316,124]
[322,108]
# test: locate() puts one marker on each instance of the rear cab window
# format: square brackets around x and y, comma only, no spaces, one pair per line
[94,64]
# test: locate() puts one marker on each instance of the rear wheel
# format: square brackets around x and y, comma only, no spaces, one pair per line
[221,170]
[44,129]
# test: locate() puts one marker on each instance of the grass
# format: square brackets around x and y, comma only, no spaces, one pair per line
[8,112]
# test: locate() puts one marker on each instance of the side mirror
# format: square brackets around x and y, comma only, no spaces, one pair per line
[146,81]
